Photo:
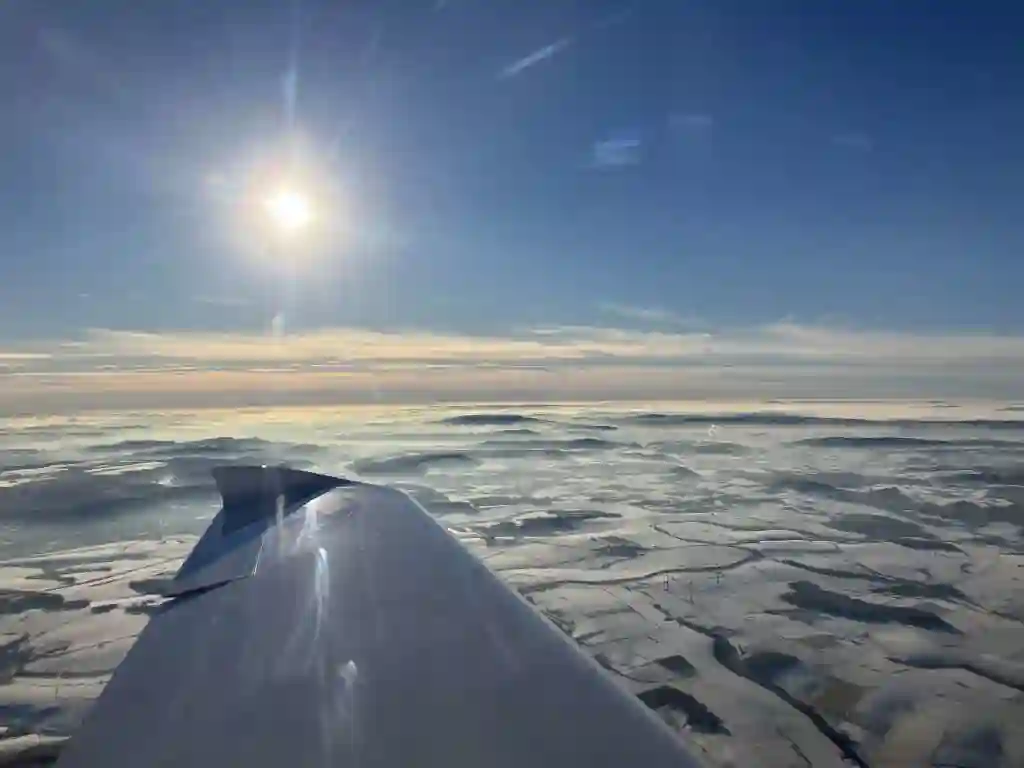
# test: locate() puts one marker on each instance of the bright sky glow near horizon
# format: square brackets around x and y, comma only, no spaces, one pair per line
[559,200]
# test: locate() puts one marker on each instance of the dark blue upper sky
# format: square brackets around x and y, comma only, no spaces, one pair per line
[508,164]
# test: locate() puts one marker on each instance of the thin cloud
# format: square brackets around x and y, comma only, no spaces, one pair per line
[779,343]
[617,153]
[223,301]
[23,357]
[123,369]
[651,315]
[541,54]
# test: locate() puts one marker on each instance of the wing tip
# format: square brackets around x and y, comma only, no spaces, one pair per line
[244,483]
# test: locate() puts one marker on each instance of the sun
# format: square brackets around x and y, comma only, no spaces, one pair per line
[290,210]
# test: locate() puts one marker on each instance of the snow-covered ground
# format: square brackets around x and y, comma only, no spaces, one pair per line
[789,583]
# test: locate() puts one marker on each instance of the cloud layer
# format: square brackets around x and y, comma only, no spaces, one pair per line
[111,368]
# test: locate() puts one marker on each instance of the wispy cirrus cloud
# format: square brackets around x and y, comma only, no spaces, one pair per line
[121,369]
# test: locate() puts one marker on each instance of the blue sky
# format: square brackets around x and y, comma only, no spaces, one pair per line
[495,169]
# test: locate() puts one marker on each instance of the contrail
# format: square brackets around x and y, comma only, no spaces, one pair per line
[536,57]
[555,48]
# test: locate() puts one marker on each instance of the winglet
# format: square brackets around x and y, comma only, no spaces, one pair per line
[252,497]
[253,492]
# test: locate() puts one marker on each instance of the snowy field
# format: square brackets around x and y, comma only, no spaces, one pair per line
[789,584]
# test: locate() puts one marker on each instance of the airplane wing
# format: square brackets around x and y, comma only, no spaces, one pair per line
[325,622]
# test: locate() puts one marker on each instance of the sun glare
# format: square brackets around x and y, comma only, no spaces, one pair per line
[290,210]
